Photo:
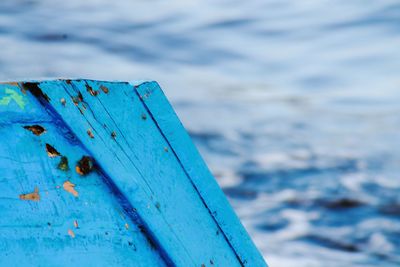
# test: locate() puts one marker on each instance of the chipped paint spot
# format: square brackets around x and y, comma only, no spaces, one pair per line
[104,89]
[10,83]
[76,224]
[144,117]
[34,89]
[63,101]
[70,187]
[89,132]
[113,135]
[31,196]
[71,233]
[63,165]
[77,99]
[35,129]
[166,149]
[51,151]
[126,226]
[84,165]
[13,95]
[91,91]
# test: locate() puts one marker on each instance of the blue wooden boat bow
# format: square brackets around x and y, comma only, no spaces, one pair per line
[104,174]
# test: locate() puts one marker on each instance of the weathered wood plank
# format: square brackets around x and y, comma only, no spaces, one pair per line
[59,229]
[142,176]
[192,163]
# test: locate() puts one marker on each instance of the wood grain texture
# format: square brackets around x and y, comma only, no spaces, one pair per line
[148,199]
[202,179]
[36,233]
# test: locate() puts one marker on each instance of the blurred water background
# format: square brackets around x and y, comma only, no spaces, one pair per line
[293,104]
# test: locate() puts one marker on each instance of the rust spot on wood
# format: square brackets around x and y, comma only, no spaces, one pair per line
[70,187]
[34,196]
[84,165]
[71,233]
[89,132]
[104,89]
[35,129]
[51,151]
[10,83]
[77,99]
[91,91]
[63,164]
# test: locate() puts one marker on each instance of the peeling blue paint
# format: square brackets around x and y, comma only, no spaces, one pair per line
[146,198]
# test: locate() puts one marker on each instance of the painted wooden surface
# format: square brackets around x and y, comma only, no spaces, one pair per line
[148,200]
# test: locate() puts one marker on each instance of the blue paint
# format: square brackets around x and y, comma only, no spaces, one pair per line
[201,178]
[151,201]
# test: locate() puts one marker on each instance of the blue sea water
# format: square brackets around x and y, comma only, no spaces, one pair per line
[293,104]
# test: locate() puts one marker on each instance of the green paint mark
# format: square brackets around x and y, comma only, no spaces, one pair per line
[12,95]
